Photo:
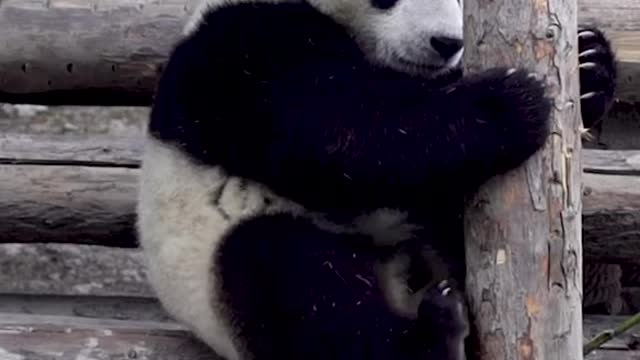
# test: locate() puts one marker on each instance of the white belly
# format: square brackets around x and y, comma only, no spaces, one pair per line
[180,228]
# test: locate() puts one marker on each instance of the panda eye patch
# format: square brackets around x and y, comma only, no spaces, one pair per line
[383,4]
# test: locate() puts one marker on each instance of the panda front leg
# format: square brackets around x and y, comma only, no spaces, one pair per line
[443,314]
[497,119]
[295,291]
[598,76]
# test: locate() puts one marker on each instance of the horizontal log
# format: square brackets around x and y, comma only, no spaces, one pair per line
[612,162]
[72,270]
[623,347]
[73,204]
[83,190]
[94,151]
[111,52]
[96,307]
[39,337]
[611,218]
[118,151]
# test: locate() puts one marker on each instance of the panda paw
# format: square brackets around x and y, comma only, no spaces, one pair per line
[443,310]
[513,113]
[598,75]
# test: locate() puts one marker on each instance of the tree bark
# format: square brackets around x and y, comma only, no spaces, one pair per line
[523,229]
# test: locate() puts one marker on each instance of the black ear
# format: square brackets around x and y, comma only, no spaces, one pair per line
[383,4]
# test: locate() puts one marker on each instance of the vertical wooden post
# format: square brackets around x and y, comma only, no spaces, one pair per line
[523,229]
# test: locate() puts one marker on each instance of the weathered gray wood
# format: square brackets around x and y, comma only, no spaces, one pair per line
[612,162]
[115,151]
[611,218]
[618,15]
[38,337]
[98,307]
[523,230]
[68,204]
[86,204]
[594,324]
[614,355]
[111,51]
[91,151]
[72,270]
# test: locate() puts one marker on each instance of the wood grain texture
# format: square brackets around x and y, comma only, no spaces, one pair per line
[611,218]
[612,162]
[82,189]
[595,324]
[523,229]
[72,270]
[91,151]
[111,52]
[118,151]
[40,337]
[86,306]
[74,204]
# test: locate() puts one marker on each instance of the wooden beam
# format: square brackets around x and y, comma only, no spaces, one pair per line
[77,150]
[611,218]
[79,189]
[86,51]
[621,348]
[615,15]
[110,52]
[40,337]
[74,204]
[612,162]
[105,307]
[73,270]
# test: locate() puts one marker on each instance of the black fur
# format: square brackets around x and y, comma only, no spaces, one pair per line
[282,95]
[297,292]
[599,78]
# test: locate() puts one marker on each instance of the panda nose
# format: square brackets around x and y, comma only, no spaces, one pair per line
[446,46]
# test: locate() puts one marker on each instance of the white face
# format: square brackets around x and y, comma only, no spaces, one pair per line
[415,36]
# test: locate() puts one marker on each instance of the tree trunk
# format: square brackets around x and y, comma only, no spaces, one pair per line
[523,229]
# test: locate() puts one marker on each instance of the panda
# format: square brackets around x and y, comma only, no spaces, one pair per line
[305,169]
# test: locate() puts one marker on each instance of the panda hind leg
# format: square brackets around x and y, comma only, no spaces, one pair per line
[443,324]
[296,291]
[598,75]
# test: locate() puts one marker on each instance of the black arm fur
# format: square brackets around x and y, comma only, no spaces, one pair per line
[281,94]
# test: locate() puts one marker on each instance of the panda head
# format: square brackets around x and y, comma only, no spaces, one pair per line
[413,36]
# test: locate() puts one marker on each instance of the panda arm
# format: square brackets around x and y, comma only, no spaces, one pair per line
[392,141]
[282,95]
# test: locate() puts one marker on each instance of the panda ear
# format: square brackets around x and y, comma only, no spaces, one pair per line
[383,4]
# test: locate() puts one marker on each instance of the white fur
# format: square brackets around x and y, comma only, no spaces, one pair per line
[180,231]
[180,228]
